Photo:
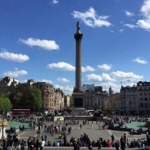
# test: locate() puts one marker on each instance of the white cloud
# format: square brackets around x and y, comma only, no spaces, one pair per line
[68,67]
[105,67]
[126,75]
[129,14]
[15,73]
[55,1]
[94,77]
[132,26]
[145,10]
[115,87]
[61,66]
[65,89]
[87,68]
[91,19]
[99,78]
[44,44]
[140,60]
[121,30]
[63,80]
[106,77]
[45,80]
[14,57]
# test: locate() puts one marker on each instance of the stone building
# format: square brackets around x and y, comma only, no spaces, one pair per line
[112,104]
[48,94]
[129,100]
[59,99]
[67,100]
[94,96]
[143,96]
[136,99]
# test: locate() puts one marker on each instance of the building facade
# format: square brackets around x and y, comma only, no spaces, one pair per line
[136,99]
[94,97]
[47,94]
[59,99]
[67,100]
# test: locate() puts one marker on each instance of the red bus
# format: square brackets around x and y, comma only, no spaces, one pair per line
[21,112]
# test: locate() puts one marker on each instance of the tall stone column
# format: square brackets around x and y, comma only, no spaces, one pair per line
[78,78]
[78,94]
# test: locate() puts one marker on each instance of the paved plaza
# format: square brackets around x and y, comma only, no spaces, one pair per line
[93,132]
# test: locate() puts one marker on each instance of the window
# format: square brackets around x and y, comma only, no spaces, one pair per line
[145,98]
[141,94]
[141,99]
[141,104]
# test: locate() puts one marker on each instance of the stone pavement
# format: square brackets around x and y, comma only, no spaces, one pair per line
[94,134]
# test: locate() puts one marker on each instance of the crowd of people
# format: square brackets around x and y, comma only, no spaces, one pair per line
[34,143]
[63,129]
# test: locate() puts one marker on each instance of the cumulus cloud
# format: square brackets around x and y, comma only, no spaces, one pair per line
[126,75]
[91,19]
[94,77]
[61,66]
[99,78]
[106,77]
[115,87]
[144,23]
[140,60]
[87,68]
[63,80]
[15,73]
[131,26]
[65,89]
[68,67]
[14,57]
[104,67]
[44,44]
[129,14]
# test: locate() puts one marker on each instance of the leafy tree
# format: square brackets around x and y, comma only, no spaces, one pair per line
[15,99]
[5,104]
[5,94]
[31,98]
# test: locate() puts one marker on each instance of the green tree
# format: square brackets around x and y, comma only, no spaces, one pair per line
[31,98]
[15,99]
[5,104]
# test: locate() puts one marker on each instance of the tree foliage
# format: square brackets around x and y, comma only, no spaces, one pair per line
[5,104]
[15,99]
[31,98]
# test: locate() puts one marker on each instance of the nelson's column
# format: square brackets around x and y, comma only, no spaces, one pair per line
[78,94]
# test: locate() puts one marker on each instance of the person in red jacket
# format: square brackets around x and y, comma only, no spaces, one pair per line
[108,143]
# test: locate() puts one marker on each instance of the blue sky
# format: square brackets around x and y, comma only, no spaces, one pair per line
[37,41]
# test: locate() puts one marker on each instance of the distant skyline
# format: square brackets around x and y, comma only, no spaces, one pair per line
[37,41]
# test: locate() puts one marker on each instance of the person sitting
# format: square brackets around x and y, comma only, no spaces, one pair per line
[108,143]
